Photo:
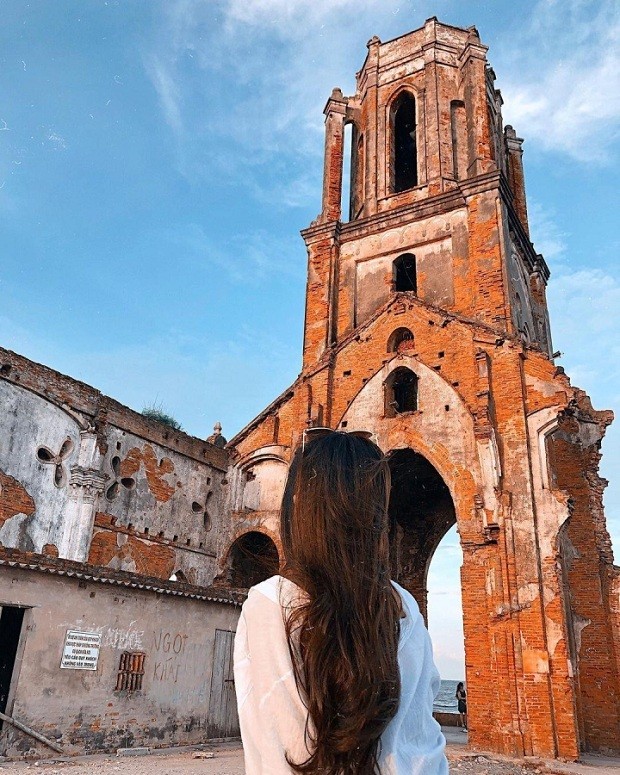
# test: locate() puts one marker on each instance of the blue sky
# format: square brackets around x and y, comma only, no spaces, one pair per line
[157,160]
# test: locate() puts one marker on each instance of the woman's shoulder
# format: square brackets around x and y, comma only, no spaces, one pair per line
[409,602]
[268,588]
[412,625]
[276,591]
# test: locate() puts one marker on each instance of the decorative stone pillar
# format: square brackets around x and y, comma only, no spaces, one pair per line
[86,482]
[375,138]
[335,111]
[472,65]
[514,150]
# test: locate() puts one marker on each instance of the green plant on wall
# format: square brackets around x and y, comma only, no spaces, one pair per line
[158,413]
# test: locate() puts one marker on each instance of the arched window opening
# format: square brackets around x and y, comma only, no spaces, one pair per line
[401,392]
[253,558]
[348,172]
[356,203]
[404,144]
[400,339]
[404,273]
[178,575]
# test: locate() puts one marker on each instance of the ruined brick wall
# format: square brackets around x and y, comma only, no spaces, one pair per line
[587,559]
[614,607]
[182,697]
[472,425]
[88,479]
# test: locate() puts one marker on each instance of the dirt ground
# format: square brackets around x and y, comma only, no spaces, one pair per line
[227,759]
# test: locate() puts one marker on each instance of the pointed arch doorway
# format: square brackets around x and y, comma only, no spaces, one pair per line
[421,512]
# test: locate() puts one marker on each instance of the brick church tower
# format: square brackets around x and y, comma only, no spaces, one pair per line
[426,323]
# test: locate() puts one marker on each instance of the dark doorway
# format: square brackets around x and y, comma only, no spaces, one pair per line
[253,558]
[421,512]
[11,620]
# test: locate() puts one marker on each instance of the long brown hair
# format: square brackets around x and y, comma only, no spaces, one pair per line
[343,636]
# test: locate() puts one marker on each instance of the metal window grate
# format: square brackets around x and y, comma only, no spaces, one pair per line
[130,671]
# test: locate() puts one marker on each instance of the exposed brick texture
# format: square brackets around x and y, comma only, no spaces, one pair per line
[126,552]
[155,470]
[500,443]
[13,498]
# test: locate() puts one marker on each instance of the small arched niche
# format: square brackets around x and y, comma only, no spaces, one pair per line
[404,274]
[252,558]
[400,339]
[178,575]
[401,392]
[404,147]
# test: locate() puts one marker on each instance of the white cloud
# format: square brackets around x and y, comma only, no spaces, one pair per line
[249,258]
[58,141]
[286,15]
[198,381]
[243,84]
[584,306]
[546,235]
[561,79]
[168,91]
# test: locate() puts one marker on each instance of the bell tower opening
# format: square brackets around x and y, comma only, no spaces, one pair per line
[404,143]
[404,277]
[401,392]
[356,199]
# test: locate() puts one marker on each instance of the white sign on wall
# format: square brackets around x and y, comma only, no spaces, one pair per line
[81,651]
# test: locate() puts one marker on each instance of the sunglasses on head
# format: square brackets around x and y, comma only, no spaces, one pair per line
[319,433]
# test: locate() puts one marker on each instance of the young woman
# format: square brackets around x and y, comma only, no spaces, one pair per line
[461,698]
[333,665]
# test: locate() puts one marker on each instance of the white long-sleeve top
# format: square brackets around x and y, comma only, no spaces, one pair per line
[273,717]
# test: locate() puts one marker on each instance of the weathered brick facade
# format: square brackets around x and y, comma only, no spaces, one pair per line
[426,323]
[452,371]
[86,479]
[110,525]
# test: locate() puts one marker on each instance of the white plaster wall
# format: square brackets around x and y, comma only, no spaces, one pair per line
[452,429]
[28,422]
[190,483]
[371,258]
[264,493]
[176,634]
